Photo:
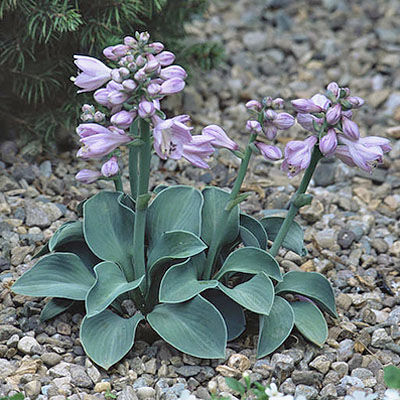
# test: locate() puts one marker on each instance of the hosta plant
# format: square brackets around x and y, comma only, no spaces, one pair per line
[187,262]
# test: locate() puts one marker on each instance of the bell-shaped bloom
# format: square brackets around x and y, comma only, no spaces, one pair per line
[110,168]
[89,129]
[98,146]
[307,121]
[328,143]
[316,104]
[284,121]
[146,109]
[218,137]
[271,153]
[170,135]
[333,114]
[87,176]
[254,105]
[253,126]
[298,155]
[198,150]
[123,119]
[366,153]
[350,129]
[173,71]
[94,73]
[172,86]
[165,58]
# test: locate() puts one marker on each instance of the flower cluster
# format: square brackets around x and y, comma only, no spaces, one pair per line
[139,75]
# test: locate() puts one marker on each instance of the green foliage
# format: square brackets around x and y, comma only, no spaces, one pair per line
[198,277]
[391,375]
[17,396]
[39,38]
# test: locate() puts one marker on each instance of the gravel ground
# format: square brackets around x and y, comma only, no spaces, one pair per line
[283,48]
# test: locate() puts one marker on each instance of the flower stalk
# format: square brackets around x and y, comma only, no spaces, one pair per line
[294,205]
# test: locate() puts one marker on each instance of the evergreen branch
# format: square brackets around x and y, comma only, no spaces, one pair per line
[6,6]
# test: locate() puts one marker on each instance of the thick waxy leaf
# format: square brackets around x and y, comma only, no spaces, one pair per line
[195,327]
[110,283]
[54,307]
[219,227]
[310,322]
[57,275]
[257,294]
[248,238]
[251,260]
[125,200]
[180,283]
[69,232]
[275,328]
[108,229]
[312,285]
[231,312]
[81,249]
[391,376]
[174,245]
[107,337]
[255,227]
[174,208]
[294,239]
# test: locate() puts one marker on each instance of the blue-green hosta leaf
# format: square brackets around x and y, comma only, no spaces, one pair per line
[174,208]
[251,260]
[255,227]
[107,337]
[180,283]
[275,327]
[174,245]
[231,311]
[125,200]
[71,231]
[54,307]
[81,249]
[310,322]
[312,285]
[257,294]
[110,283]
[214,218]
[195,327]
[294,239]
[108,229]
[248,238]
[57,275]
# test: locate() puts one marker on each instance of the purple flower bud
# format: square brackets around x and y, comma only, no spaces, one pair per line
[254,105]
[130,41]
[154,89]
[270,115]
[116,97]
[144,37]
[172,86]
[152,66]
[267,101]
[347,114]
[101,96]
[307,121]
[129,85]
[305,106]
[87,176]
[146,109]
[355,101]
[99,116]
[333,114]
[328,143]
[120,50]
[219,137]
[270,132]
[157,47]
[140,61]
[123,119]
[116,76]
[110,168]
[253,126]
[124,72]
[165,58]
[271,153]
[108,52]
[278,103]
[140,75]
[283,121]
[173,71]
[86,117]
[334,88]
[90,129]
[350,129]
[88,108]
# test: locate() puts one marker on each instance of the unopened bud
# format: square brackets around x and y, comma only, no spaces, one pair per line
[333,114]
[267,101]
[124,72]
[116,76]
[144,37]
[278,103]
[253,126]
[254,105]
[129,84]
[130,41]
[88,108]
[140,61]
[157,47]
[99,116]
[334,88]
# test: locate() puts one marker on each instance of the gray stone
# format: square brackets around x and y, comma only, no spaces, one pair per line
[45,169]
[51,359]
[306,377]
[145,392]
[328,392]
[6,331]
[380,337]
[7,184]
[8,150]
[321,364]
[128,393]
[6,368]
[346,350]
[326,238]
[36,215]
[80,377]
[32,389]
[309,392]
[325,174]
[366,376]
[188,370]
[26,345]
[256,41]
[60,370]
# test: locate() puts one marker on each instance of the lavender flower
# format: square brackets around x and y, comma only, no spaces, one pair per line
[307,121]
[328,143]
[123,119]
[172,86]
[173,71]
[110,168]
[165,58]
[198,150]
[334,88]
[271,153]
[89,129]
[94,73]
[146,109]
[253,126]
[87,176]
[298,155]
[254,105]
[350,128]
[218,137]
[333,114]
[316,104]
[284,121]
[274,121]
[355,101]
